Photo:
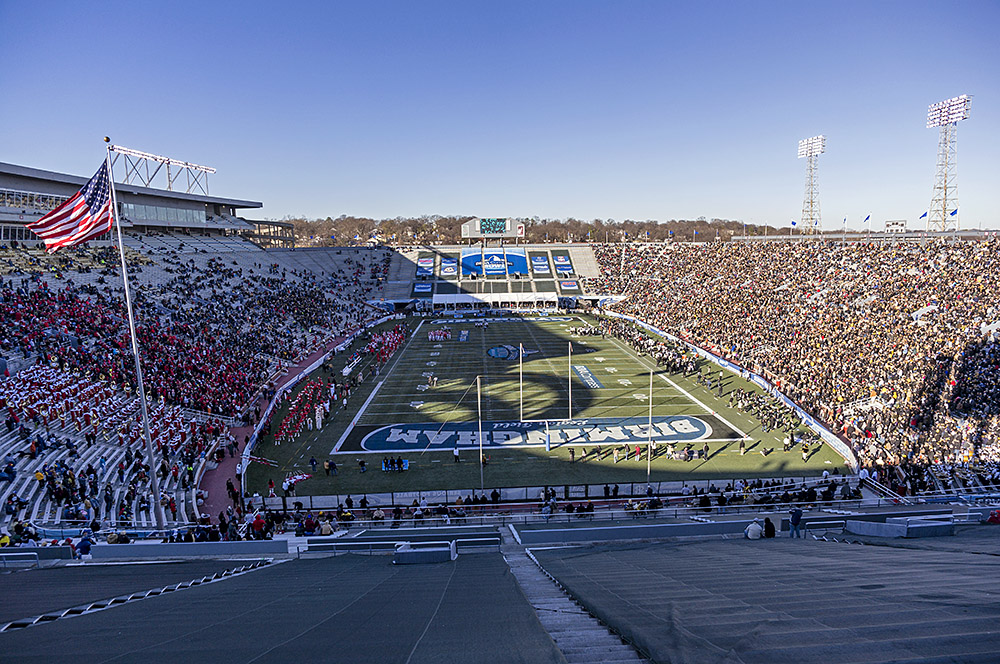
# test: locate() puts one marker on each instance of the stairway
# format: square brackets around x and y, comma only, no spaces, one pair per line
[584,262]
[580,637]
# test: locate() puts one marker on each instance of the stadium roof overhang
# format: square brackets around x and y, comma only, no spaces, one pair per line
[72,182]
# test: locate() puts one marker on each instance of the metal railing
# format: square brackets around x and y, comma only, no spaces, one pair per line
[534,516]
[822,525]
[390,545]
[12,556]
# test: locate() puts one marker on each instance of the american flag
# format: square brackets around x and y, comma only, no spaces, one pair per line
[84,217]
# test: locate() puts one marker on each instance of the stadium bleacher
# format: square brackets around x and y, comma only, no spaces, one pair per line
[190,288]
[844,328]
[786,600]
[348,608]
[685,600]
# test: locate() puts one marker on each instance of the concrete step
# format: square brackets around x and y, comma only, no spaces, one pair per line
[577,634]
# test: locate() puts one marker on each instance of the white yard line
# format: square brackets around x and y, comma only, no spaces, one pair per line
[695,399]
[692,397]
[555,372]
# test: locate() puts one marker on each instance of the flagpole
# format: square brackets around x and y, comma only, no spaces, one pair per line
[649,430]
[479,406]
[154,482]
[569,379]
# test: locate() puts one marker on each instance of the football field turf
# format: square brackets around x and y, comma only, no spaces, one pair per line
[425,404]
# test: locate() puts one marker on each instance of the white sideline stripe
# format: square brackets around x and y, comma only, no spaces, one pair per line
[357,417]
[350,428]
[695,399]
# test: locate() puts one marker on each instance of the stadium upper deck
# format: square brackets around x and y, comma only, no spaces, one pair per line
[28,193]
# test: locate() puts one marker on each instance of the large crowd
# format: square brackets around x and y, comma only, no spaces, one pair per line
[212,333]
[886,342]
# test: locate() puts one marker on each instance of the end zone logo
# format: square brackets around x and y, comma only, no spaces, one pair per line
[596,431]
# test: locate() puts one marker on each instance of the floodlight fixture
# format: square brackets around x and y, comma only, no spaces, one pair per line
[143,167]
[943,212]
[810,147]
[949,111]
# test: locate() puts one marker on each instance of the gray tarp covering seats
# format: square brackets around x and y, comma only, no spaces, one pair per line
[788,601]
[351,608]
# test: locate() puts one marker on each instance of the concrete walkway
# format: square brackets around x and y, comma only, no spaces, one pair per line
[214,481]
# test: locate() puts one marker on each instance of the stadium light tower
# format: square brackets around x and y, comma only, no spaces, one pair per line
[943,213]
[811,149]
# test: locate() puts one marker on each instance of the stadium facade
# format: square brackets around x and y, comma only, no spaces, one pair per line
[28,193]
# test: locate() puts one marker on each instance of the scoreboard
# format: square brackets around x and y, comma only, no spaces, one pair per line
[492,228]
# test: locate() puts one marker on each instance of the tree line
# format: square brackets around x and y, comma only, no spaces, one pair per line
[435,229]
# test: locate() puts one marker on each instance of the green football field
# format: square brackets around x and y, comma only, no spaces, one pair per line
[583,397]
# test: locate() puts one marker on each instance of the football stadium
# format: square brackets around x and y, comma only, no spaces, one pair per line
[234,438]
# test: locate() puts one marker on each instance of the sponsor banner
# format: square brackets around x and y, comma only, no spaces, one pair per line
[425,266]
[592,431]
[449,266]
[589,379]
[517,261]
[828,437]
[472,262]
[540,264]
[494,262]
[422,288]
[568,285]
[562,262]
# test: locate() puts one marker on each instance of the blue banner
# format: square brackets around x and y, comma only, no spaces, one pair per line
[562,262]
[472,262]
[449,266]
[494,262]
[540,264]
[517,261]
[425,266]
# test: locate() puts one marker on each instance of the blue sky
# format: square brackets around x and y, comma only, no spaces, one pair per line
[641,110]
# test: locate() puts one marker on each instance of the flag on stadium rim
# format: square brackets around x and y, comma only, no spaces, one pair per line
[85,216]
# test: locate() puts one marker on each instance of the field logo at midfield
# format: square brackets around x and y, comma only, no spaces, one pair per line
[508,352]
[592,431]
[589,379]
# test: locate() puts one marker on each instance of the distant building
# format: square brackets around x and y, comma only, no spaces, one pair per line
[897,226]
